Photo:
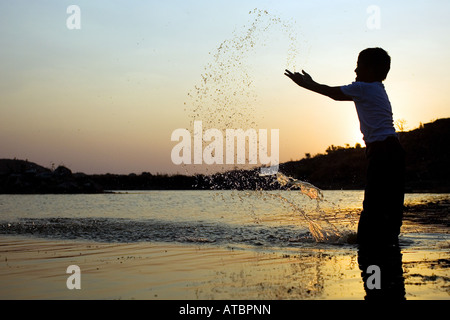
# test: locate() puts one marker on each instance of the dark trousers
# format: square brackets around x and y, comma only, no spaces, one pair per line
[381,217]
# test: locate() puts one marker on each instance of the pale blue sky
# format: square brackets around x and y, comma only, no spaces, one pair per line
[106,98]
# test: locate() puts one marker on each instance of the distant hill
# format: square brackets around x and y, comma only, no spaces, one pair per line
[22,176]
[14,166]
[427,162]
[428,157]
[427,170]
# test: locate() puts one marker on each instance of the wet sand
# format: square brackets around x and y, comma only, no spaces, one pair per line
[32,268]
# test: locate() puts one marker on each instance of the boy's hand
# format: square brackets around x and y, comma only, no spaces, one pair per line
[303,80]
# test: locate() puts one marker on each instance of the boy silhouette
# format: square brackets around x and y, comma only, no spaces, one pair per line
[381,217]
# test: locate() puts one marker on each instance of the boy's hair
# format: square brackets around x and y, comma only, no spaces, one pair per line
[377,59]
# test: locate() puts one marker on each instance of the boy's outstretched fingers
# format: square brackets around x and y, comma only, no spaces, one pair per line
[288,73]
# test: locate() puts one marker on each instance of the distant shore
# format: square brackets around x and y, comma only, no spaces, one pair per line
[340,168]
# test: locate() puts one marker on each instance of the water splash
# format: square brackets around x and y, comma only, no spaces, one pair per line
[306,188]
[225,97]
[319,233]
[320,227]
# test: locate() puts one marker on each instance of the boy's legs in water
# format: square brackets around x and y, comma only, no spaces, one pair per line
[382,213]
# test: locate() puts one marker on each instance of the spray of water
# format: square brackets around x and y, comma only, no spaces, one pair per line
[317,231]
[225,97]
[306,188]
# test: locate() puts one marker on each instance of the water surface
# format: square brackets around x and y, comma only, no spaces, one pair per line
[226,218]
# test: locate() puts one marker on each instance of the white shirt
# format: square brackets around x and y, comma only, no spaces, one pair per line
[373,108]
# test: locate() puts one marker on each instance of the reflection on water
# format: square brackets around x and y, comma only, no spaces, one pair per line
[296,276]
[387,282]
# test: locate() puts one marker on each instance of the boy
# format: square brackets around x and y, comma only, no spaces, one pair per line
[381,217]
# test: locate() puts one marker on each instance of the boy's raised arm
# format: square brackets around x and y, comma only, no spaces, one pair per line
[304,80]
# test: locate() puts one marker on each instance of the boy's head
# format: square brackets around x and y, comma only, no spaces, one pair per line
[373,65]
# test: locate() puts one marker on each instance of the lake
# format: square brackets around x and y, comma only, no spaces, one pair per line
[262,230]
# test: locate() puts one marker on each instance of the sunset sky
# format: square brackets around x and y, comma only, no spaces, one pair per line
[106,97]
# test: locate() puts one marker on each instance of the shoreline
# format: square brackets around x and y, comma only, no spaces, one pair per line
[35,268]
